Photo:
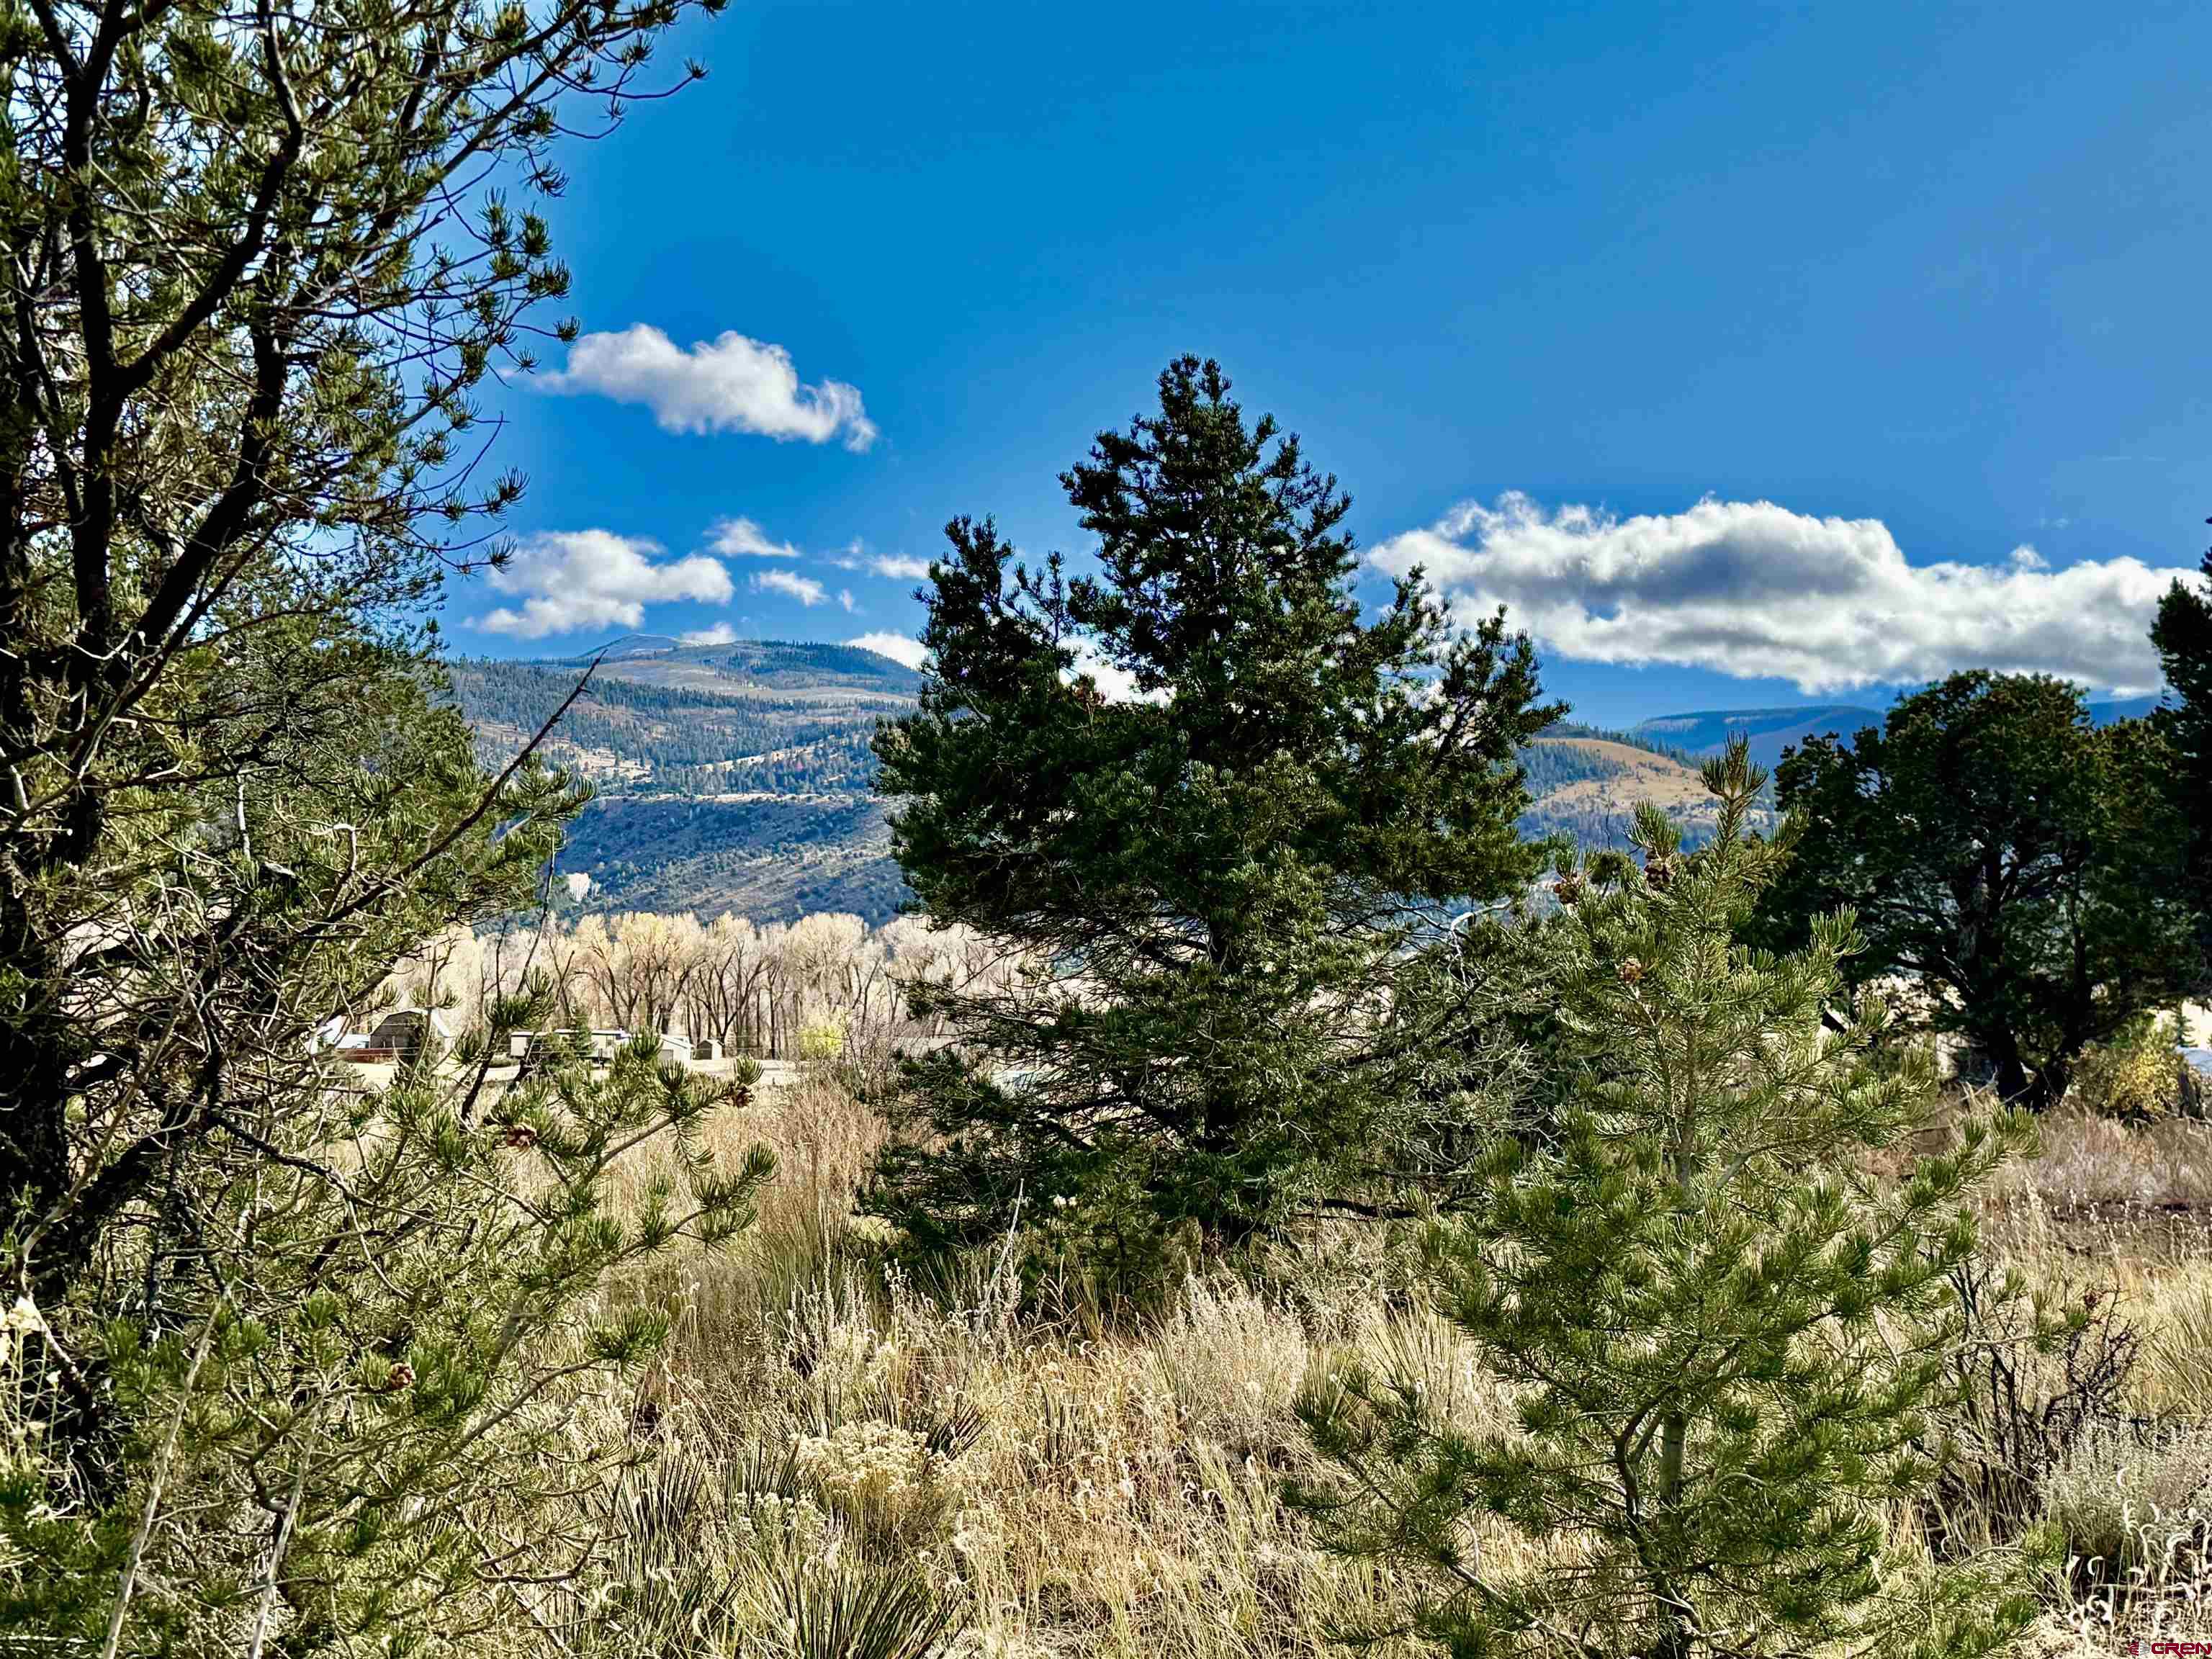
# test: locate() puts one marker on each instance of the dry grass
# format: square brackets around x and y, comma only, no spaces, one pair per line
[1117,1492]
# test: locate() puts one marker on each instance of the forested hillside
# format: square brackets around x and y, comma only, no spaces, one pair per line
[730,777]
[738,777]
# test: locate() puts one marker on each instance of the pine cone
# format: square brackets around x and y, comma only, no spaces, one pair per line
[1631,971]
[1659,873]
[520,1136]
[1568,888]
[400,1377]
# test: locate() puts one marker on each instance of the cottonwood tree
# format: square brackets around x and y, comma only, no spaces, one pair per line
[1226,880]
[2023,864]
[1725,1331]
[254,261]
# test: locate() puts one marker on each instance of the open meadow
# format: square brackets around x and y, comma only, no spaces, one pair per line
[1056,1477]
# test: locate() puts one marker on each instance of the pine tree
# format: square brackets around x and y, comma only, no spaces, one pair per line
[1725,1333]
[384,1348]
[2183,636]
[269,1341]
[255,276]
[1225,879]
[2020,861]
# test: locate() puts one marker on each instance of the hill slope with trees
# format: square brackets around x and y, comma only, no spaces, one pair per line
[738,777]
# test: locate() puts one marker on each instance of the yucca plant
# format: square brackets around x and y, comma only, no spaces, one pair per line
[853,1609]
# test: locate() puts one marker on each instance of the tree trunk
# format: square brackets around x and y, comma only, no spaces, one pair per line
[1673,1641]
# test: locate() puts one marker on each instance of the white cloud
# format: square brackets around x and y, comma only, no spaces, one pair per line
[1750,588]
[1115,683]
[570,580]
[728,384]
[899,569]
[808,591]
[899,647]
[845,597]
[721,634]
[741,538]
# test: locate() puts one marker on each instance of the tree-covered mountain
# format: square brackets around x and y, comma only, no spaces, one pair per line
[729,777]
[737,776]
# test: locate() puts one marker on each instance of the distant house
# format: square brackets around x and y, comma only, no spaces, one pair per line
[406,1033]
[675,1050]
[335,1034]
[400,1035]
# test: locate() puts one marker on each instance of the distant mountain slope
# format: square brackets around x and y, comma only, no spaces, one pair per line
[1770,730]
[738,776]
[1589,787]
[1773,730]
[821,673]
[730,777]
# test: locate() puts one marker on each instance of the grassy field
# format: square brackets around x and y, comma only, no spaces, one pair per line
[1062,1484]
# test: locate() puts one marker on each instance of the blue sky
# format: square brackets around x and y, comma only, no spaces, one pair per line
[1908,297]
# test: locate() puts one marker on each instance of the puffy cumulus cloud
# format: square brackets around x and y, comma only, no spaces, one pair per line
[899,569]
[899,647]
[731,383]
[808,591]
[741,538]
[1750,588]
[571,580]
[721,634]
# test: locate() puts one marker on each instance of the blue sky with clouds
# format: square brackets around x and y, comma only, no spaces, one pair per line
[1748,353]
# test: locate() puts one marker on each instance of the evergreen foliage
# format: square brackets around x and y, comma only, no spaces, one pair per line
[2026,866]
[2183,635]
[278,1349]
[1725,1331]
[1223,881]
[350,1390]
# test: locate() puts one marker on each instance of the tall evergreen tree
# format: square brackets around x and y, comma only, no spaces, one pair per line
[1723,1329]
[255,262]
[2183,635]
[1224,879]
[2023,864]
[254,268]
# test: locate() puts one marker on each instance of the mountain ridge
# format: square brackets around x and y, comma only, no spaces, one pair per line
[737,775]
